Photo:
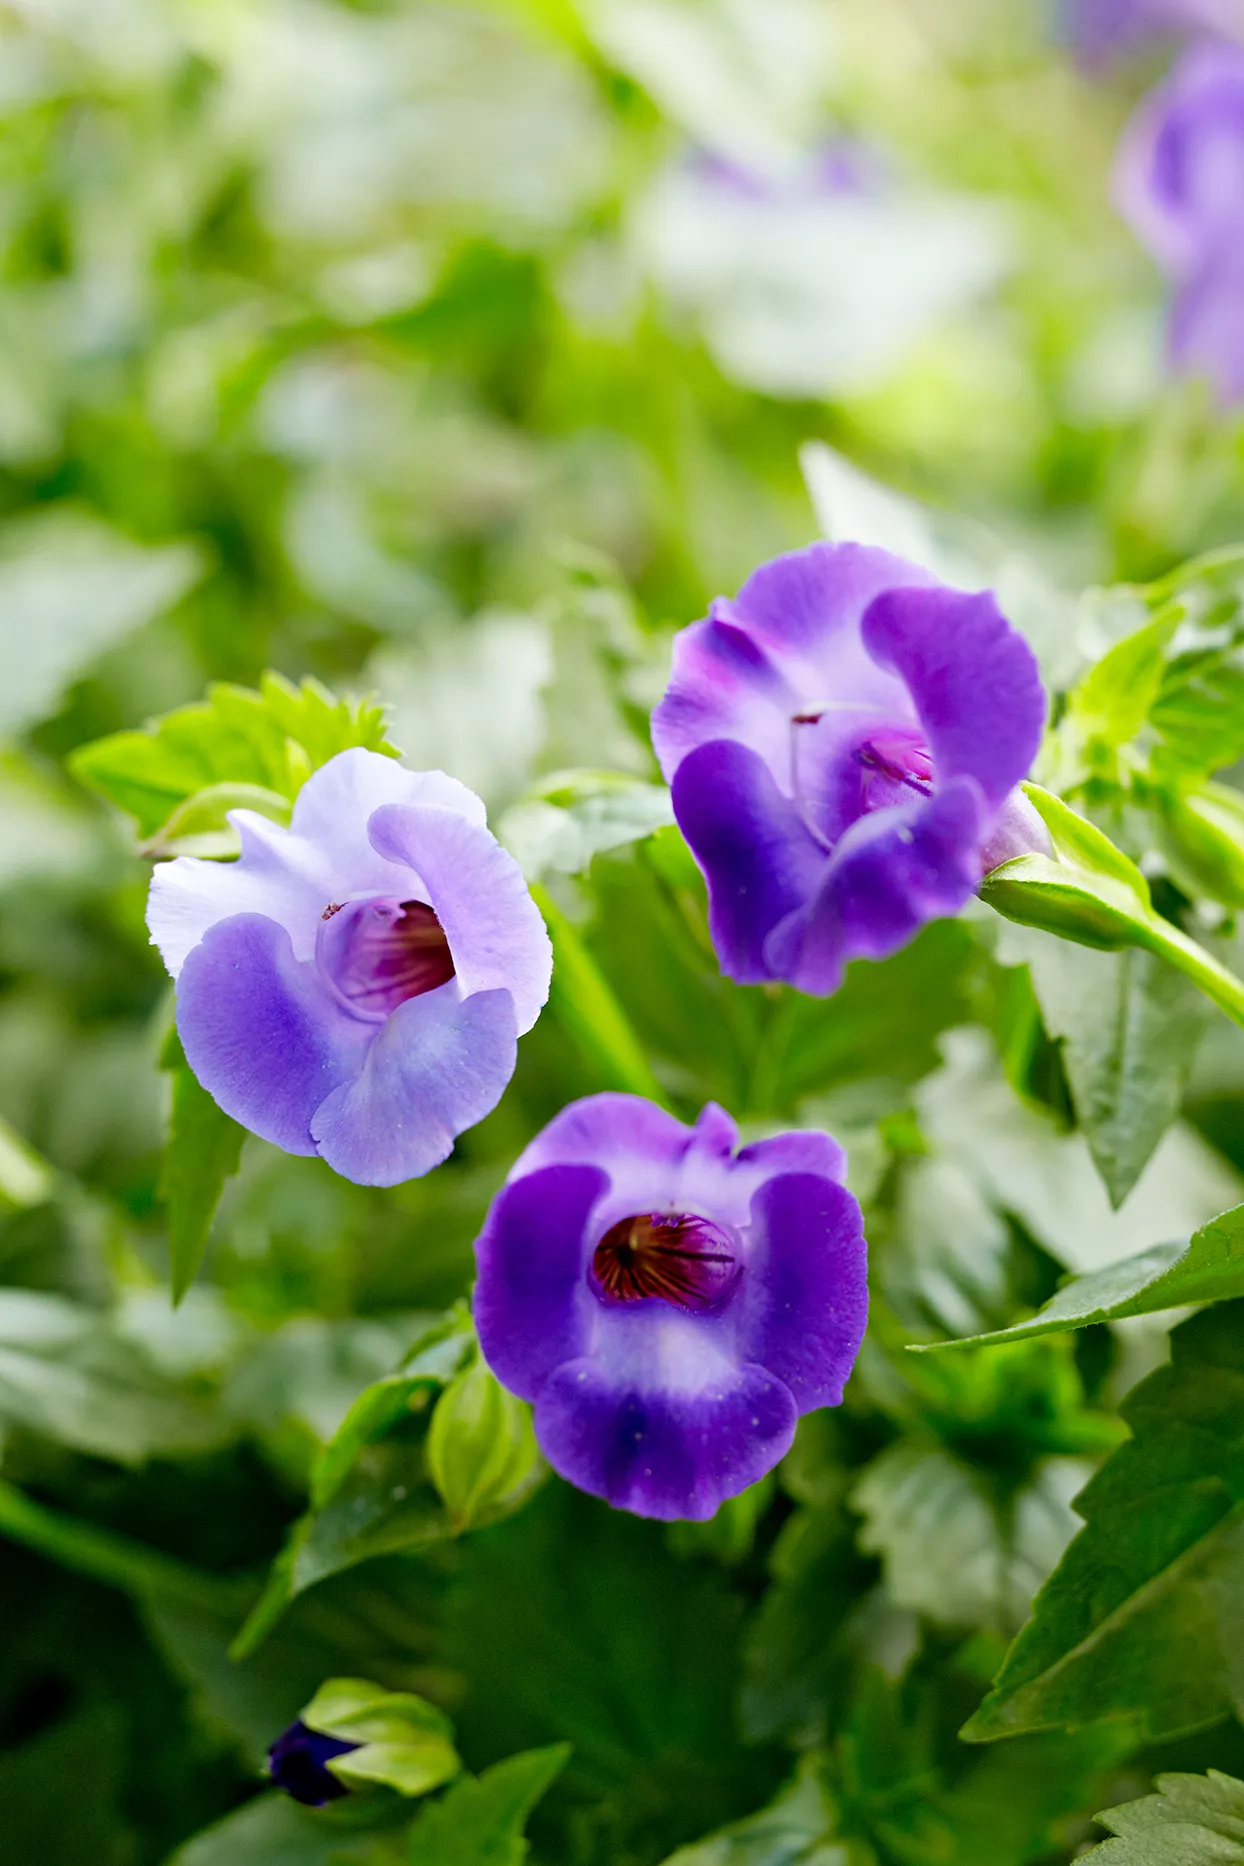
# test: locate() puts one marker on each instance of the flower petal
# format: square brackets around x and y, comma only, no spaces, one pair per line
[494,929]
[276,874]
[440,1063]
[759,858]
[337,800]
[1207,325]
[668,1454]
[261,1033]
[531,1301]
[974,680]
[803,1301]
[891,873]
[790,638]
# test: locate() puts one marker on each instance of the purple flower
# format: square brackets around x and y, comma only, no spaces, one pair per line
[1103,31]
[1179,182]
[843,741]
[297,1762]
[669,1305]
[354,986]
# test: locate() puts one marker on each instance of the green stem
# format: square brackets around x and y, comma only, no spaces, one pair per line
[113,1559]
[584,1001]
[1220,986]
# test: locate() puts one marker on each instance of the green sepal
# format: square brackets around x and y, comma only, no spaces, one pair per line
[1087,891]
[404,1742]
[482,1453]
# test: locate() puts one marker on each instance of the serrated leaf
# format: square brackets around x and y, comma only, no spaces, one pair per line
[953,1550]
[271,739]
[480,1821]
[1210,1268]
[1141,1619]
[571,816]
[1192,1820]
[1129,1026]
[796,1829]
[203,1151]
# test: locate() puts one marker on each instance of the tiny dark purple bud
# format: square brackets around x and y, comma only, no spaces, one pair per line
[296,1763]
[683,1259]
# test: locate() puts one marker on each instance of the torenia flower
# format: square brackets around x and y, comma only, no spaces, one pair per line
[354,986]
[671,1306]
[1179,182]
[844,740]
[1103,31]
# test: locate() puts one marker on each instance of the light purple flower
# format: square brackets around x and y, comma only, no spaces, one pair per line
[1179,182]
[843,741]
[354,986]
[670,1306]
[1103,31]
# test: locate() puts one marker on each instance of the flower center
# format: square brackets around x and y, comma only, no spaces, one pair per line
[380,953]
[843,769]
[685,1260]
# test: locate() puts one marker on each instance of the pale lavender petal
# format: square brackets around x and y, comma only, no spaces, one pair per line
[261,1033]
[533,1309]
[974,680]
[758,856]
[440,1063]
[1019,830]
[336,801]
[655,1452]
[277,875]
[494,929]
[803,1302]
[804,1150]
[724,686]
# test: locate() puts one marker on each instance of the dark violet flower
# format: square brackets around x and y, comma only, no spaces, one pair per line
[297,1762]
[1179,182]
[844,740]
[669,1305]
[354,986]
[1103,31]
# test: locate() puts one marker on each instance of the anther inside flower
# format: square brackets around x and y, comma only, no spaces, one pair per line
[669,1304]
[679,1258]
[844,741]
[355,985]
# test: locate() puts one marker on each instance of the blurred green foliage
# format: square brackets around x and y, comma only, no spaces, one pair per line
[389,344]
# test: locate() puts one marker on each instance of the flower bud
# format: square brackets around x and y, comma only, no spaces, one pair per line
[481,1451]
[355,1734]
[1203,836]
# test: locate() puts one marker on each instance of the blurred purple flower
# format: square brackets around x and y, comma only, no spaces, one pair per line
[841,165]
[1179,182]
[669,1305]
[843,741]
[354,986]
[1103,31]
[297,1763]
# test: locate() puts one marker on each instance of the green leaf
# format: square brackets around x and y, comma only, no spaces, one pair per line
[66,1374]
[26,1179]
[1129,1026]
[203,1151]
[1210,1268]
[1112,702]
[730,1534]
[1141,1620]
[953,1548]
[404,1742]
[571,816]
[275,1831]
[1192,1820]
[582,1000]
[70,587]
[798,1828]
[480,1821]
[200,827]
[270,740]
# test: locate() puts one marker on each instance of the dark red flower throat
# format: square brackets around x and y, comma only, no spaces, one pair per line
[683,1259]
